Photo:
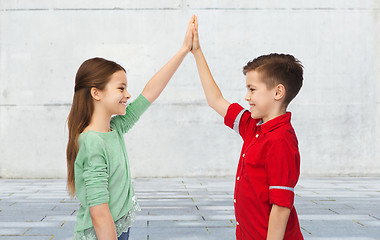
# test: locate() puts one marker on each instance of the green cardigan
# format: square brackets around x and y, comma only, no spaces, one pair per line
[101,168]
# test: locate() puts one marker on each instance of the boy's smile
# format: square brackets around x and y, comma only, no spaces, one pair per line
[264,103]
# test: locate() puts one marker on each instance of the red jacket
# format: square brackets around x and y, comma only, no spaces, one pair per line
[267,173]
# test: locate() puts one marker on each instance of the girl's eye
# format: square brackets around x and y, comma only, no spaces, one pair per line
[252,89]
[122,89]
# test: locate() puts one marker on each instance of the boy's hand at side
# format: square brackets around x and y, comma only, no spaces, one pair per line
[278,220]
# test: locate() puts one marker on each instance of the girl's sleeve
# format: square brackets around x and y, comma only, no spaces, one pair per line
[95,174]
[133,112]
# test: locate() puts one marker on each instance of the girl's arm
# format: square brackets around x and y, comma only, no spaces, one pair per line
[159,81]
[278,220]
[103,222]
[213,95]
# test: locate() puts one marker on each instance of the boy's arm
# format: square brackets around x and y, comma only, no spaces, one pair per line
[213,95]
[103,222]
[278,220]
[159,81]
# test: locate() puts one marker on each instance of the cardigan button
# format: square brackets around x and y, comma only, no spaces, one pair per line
[237,223]
[234,200]
[257,135]
[238,178]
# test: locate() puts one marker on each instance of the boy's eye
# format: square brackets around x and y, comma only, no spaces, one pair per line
[122,89]
[252,89]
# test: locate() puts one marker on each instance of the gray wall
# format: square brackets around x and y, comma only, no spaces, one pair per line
[336,115]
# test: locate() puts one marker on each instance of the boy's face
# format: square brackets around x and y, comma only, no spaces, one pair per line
[260,98]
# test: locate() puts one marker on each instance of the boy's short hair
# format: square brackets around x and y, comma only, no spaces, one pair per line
[277,69]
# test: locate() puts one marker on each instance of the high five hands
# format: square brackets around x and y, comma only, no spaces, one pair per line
[196,45]
[191,42]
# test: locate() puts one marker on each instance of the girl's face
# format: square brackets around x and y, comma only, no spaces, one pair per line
[114,96]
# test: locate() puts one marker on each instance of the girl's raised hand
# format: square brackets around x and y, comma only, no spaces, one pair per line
[188,42]
[196,45]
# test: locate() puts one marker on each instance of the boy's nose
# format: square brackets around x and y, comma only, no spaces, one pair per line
[127,95]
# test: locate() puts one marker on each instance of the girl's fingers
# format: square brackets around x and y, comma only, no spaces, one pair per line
[190,31]
[191,20]
[190,25]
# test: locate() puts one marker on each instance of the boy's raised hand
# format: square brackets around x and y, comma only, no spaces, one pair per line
[188,42]
[214,97]
[196,45]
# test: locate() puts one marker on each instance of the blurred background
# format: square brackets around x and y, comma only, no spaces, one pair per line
[336,114]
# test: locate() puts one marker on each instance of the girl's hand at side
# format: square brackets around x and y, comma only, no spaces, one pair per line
[103,223]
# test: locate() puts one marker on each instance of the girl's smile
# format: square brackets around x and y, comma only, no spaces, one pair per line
[115,95]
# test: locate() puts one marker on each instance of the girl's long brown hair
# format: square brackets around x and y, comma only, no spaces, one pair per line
[94,72]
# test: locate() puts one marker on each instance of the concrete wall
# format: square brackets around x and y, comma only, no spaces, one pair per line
[336,115]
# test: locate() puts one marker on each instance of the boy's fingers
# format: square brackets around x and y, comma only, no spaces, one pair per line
[195,28]
[195,35]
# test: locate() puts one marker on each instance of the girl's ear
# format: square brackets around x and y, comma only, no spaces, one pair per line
[280,92]
[95,93]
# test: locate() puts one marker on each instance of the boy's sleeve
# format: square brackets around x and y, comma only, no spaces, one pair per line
[95,174]
[133,112]
[238,119]
[283,168]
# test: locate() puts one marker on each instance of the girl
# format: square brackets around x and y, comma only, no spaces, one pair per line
[97,163]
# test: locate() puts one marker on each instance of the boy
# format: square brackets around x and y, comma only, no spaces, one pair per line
[269,163]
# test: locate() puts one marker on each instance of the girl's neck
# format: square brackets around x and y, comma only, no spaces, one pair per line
[100,122]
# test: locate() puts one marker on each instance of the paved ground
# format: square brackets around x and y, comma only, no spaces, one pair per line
[189,208]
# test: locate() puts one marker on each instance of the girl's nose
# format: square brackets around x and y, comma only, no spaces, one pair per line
[127,95]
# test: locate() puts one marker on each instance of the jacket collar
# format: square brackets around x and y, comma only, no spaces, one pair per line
[275,122]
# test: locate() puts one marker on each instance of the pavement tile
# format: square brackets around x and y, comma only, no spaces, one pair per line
[193,208]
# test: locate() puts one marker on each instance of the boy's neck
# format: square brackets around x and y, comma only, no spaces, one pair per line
[274,114]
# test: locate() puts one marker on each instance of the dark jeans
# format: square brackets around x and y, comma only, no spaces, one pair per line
[124,235]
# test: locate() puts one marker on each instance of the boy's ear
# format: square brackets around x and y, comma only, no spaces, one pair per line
[279,92]
[95,93]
